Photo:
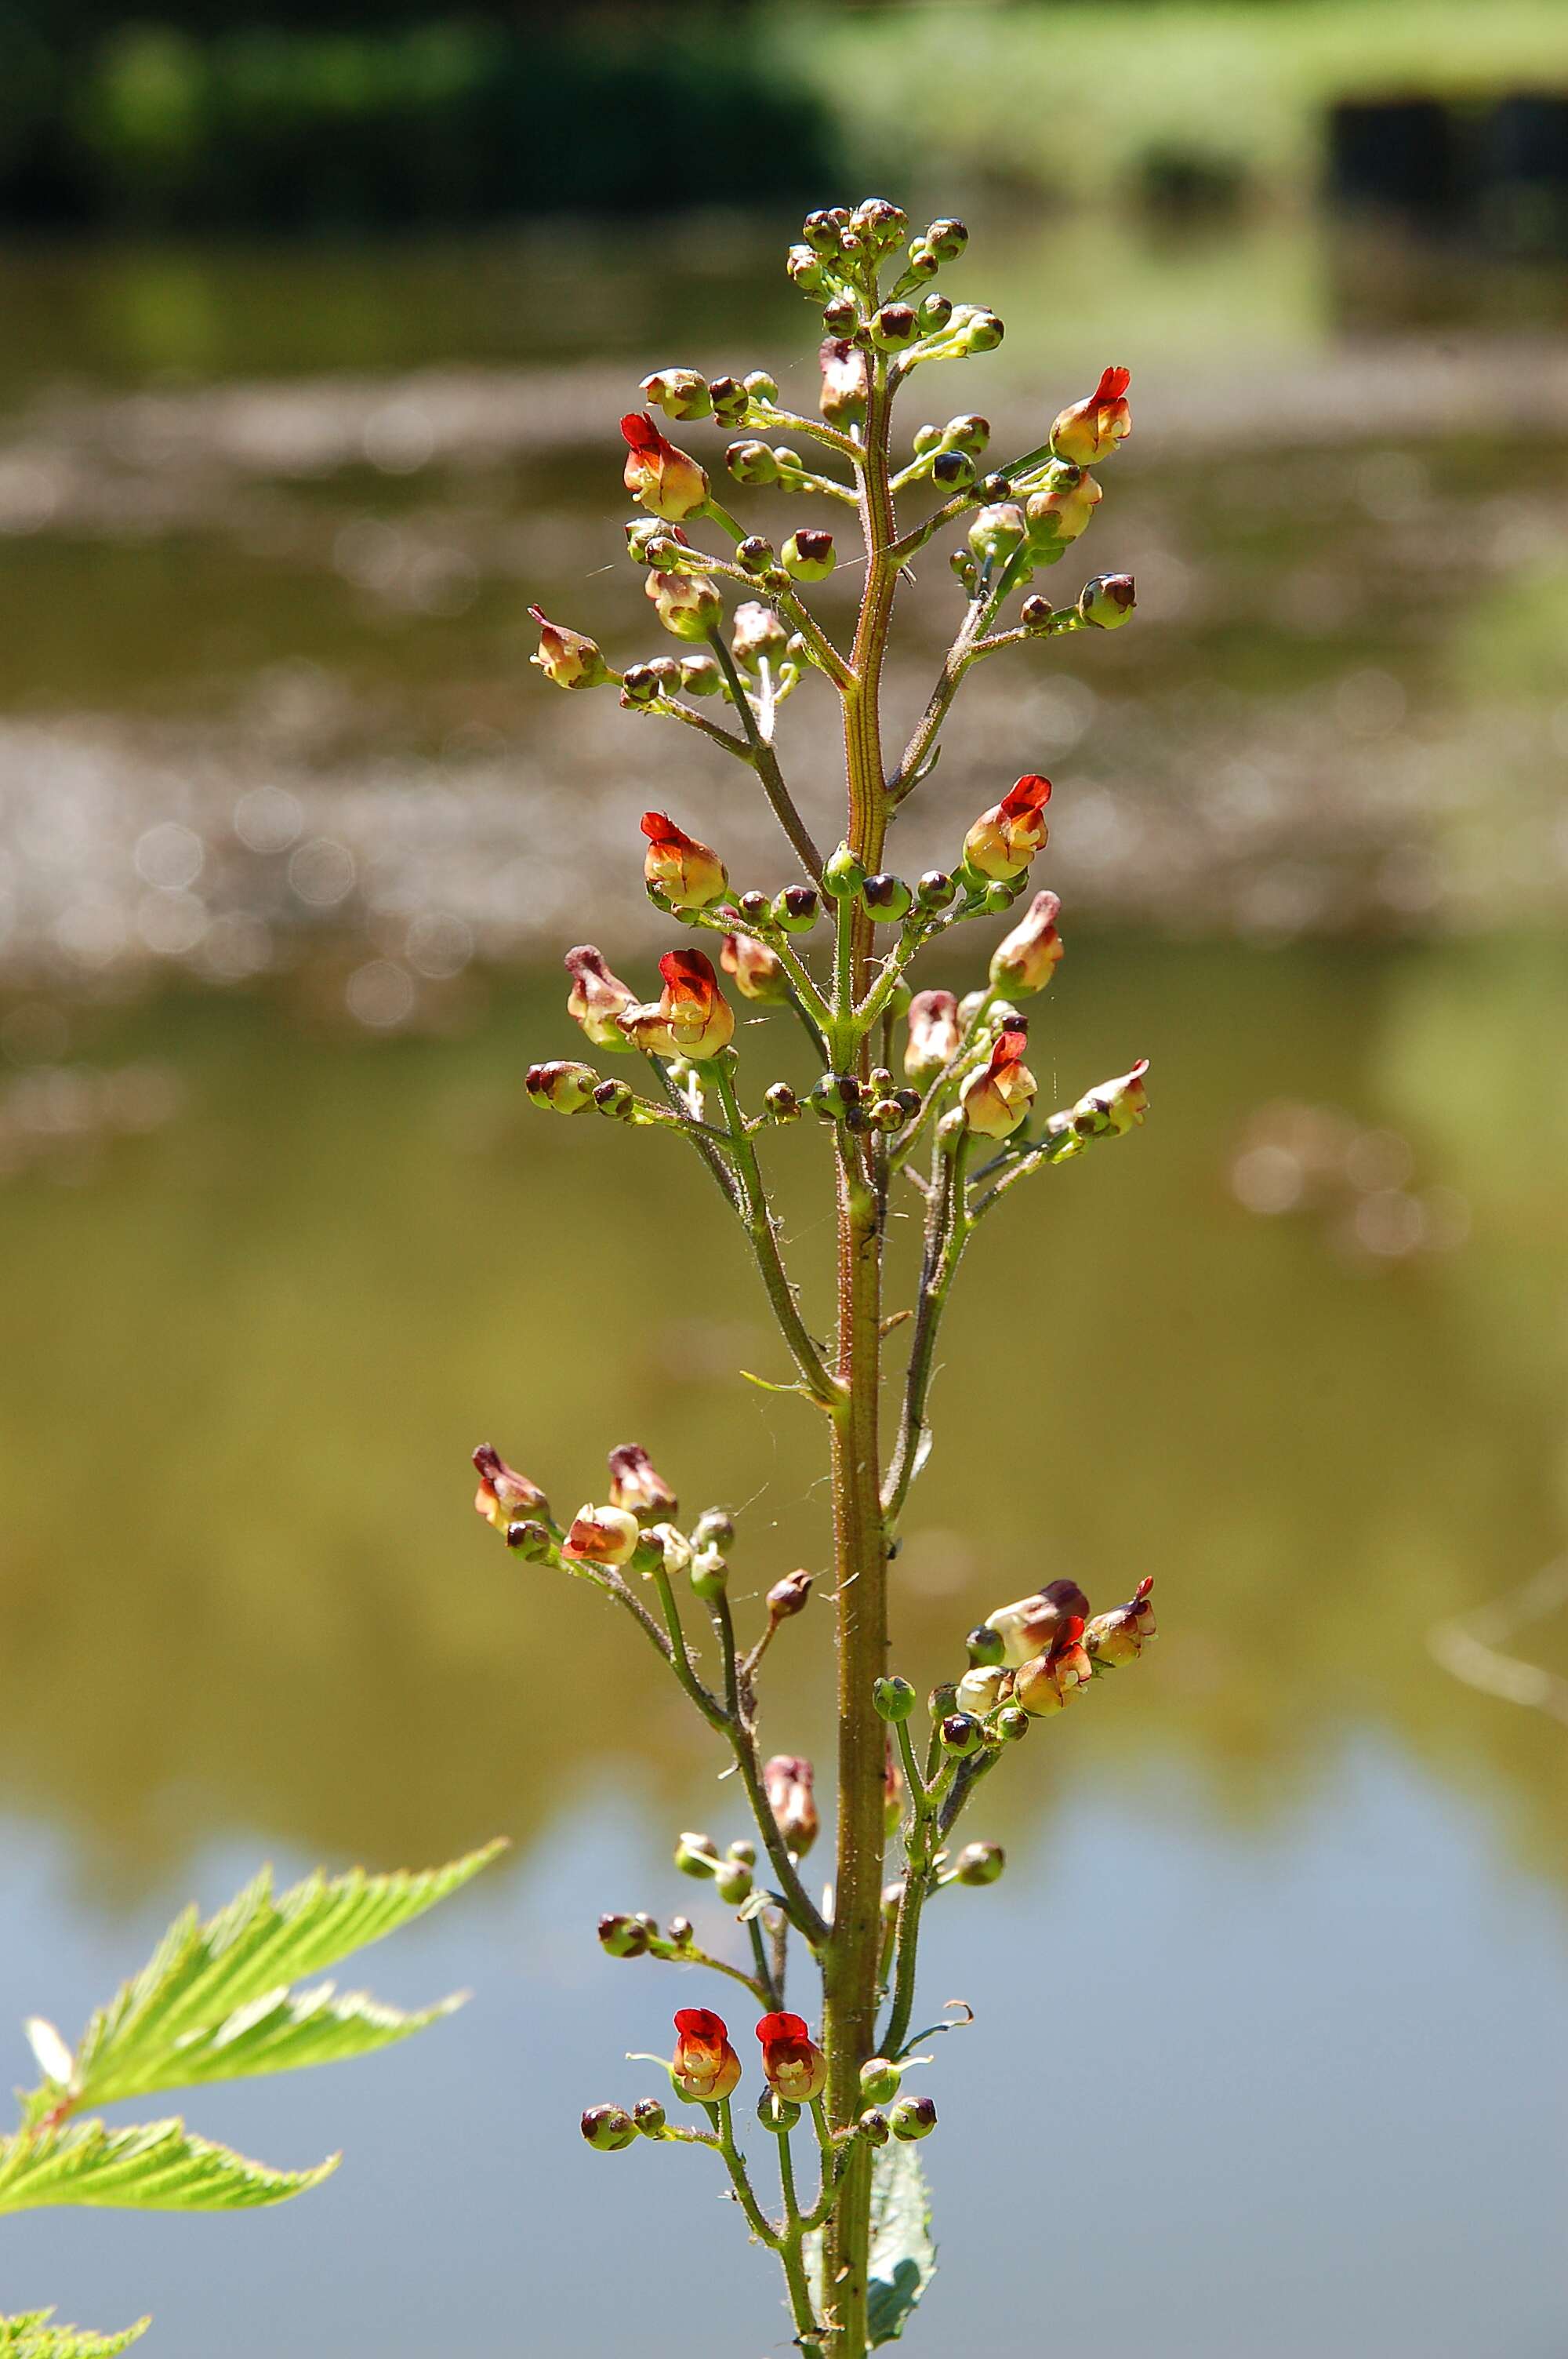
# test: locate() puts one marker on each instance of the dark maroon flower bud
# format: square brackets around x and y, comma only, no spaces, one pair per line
[797,907]
[787,1780]
[912,2117]
[607,2128]
[788,1597]
[623,1937]
[809,555]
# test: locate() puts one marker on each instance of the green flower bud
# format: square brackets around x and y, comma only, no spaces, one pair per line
[922,263]
[947,239]
[984,1646]
[961,1733]
[1012,1723]
[874,2126]
[894,1698]
[1107,601]
[695,1856]
[782,1101]
[776,2114]
[680,393]
[755,553]
[756,908]
[751,463]
[954,470]
[733,1882]
[713,1528]
[895,327]
[807,271]
[967,432]
[563,1085]
[742,1849]
[912,2117]
[1037,613]
[809,555]
[926,440]
[980,1862]
[841,314]
[760,386]
[887,897]
[680,1931]
[607,2128]
[881,222]
[797,909]
[820,231]
[730,400]
[981,333]
[935,311]
[531,1541]
[843,876]
[623,1937]
[997,531]
[880,2080]
[995,487]
[709,1575]
[648,2116]
[886,1113]
[616,1099]
[835,1095]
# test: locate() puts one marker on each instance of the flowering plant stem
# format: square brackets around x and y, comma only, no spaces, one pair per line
[974,1091]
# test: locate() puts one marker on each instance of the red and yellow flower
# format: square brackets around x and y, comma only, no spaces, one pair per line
[691,1018]
[1005,839]
[688,874]
[705,2067]
[1119,1636]
[932,1034]
[1115,1107]
[1029,1627]
[998,1097]
[637,1485]
[504,1496]
[1091,428]
[793,2065]
[666,481]
[597,999]
[568,658]
[1049,1680]
[602,1535]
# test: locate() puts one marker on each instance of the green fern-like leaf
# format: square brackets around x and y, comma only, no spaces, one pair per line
[30,2336]
[157,2167]
[213,2002]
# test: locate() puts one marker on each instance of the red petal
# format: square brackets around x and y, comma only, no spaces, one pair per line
[1030,794]
[639,432]
[1113,385]
[687,971]
[659,828]
[701,2023]
[1010,1047]
[781,2027]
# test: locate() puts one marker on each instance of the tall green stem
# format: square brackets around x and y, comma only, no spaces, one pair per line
[859,1538]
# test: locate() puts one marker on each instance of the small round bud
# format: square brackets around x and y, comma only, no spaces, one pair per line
[935,889]
[926,440]
[985,1645]
[667,671]
[709,1575]
[700,676]
[713,1528]
[743,1849]
[755,553]
[895,327]
[843,876]
[562,1084]
[912,2117]
[615,1099]
[995,487]
[648,2116]
[880,2080]
[980,1863]
[935,311]
[886,1113]
[835,1095]
[807,271]
[969,432]
[782,1101]
[941,1699]
[530,1541]
[680,393]
[1107,601]
[894,1698]
[841,314]
[755,908]
[650,1924]
[733,1882]
[954,470]
[982,333]
[789,1596]
[809,555]
[729,398]
[607,2128]
[820,231]
[695,1856]
[640,684]
[961,1733]
[797,909]
[922,263]
[947,239]
[887,897]
[1037,614]
[874,2126]
[776,2114]
[1012,1723]
[623,1937]
[760,386]
[979,1690]
[751,463]
[997,531]
[881,222]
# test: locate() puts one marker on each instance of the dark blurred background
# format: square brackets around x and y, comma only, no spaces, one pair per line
[318,321]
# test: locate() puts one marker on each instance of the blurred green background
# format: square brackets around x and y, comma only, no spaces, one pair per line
[318,324]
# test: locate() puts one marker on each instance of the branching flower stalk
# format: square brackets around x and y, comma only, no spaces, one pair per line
[959,1131]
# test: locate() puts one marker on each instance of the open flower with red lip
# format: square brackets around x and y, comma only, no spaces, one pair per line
[689,875]
[665,481]
[932,1034]
[787,1780]
[705,2067]
[1029,1627]
[757,971]
[637,1486]
[504,1496]
[1115,1107]
[567,658]
[793,2065]
[1092,428]
[602,1535]
[1047,1682]
[1119,1636]
[691,1018]
[1026,959]
[1005,839]
[597,998]
[998,1097]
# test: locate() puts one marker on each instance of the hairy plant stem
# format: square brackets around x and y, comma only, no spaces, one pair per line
[859,1539]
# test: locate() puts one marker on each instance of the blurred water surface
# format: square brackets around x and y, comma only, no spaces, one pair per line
[1268,2053]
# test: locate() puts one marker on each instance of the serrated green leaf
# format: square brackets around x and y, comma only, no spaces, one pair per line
[155,2166]
[30,2336]
[221,1990]
[902,2258]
